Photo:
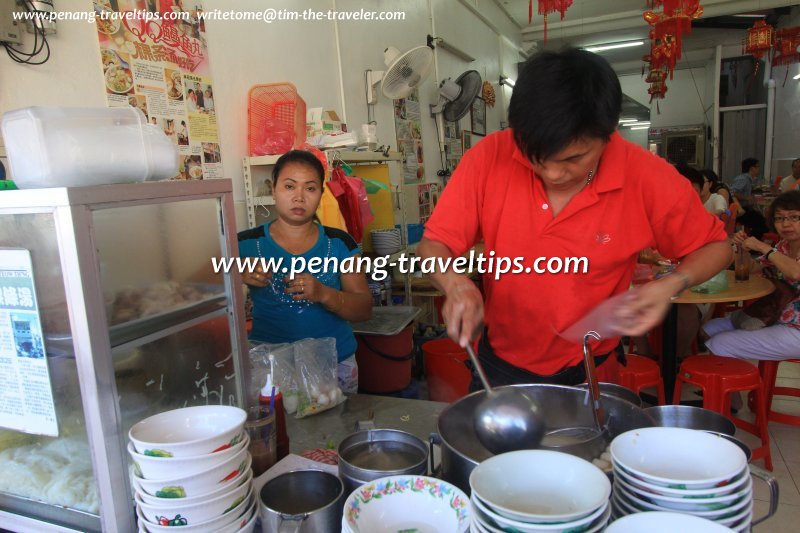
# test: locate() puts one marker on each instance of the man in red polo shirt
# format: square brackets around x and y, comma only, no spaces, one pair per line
[561,183]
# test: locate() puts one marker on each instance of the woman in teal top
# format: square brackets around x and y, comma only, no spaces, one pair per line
[319,301]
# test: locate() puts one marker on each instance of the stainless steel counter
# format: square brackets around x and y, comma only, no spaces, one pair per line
[417,417]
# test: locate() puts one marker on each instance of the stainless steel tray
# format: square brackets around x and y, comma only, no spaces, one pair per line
[134,329]
[61,344]
[388,320]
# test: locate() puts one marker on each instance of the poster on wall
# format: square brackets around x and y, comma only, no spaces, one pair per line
[157,61]
[453,149]
[409,137]
[428,196]
[26,395]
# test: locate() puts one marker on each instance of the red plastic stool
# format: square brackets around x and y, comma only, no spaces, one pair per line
[769,373]
[641,372]
[718,377]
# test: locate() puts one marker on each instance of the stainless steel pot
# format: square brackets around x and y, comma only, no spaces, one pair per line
[302,501]
[561,406]
[686,416]
[374,453]
[612,389]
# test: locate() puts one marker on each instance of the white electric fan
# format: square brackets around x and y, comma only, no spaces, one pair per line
[404,72]
[455,99]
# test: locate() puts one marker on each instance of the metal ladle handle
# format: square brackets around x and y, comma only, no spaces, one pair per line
[591,380]
[479,368]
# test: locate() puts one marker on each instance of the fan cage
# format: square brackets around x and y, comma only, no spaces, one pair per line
[279,102]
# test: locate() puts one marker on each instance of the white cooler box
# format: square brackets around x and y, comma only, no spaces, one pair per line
[68,147]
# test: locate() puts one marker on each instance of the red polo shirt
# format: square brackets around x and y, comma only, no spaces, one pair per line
[636,200]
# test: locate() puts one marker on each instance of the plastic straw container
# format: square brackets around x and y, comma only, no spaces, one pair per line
[69,147]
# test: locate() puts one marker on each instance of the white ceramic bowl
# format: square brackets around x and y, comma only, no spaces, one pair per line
[226,474]
[540,486]
[189,431]
[196,513]
[246,477]
[635,505]
[395,503]
[489,518]
[644,487]
[234,517]
[479,525]
[746,515]
[678,458]
[664,523]
[171,468]
[689,504]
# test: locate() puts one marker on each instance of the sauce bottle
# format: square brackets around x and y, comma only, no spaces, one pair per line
[271,396]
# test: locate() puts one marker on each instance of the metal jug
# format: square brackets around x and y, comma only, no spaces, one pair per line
[302,501]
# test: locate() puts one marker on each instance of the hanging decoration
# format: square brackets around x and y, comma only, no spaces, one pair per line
[786,42]
[488,94]
[670,25]
[657,78]
[760,39]
[546,7]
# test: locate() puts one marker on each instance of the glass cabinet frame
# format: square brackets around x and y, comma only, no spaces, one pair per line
[72,211]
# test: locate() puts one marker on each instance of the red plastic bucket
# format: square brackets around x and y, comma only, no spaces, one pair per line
[384,361]
[448,377]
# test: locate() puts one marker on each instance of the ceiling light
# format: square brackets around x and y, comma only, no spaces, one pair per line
[624,120]
[641,128]
[611,46]
[505,80]
[796,77]
[637,124]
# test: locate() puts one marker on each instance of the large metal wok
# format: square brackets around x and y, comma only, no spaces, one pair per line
[561,407]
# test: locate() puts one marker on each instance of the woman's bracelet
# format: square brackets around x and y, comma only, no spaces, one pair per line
[773,249]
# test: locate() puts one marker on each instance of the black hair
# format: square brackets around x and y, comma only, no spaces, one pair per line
[787,201]
[691,174]
[561,97]
[716,183]
[302,157]
[748,163]
[795,161]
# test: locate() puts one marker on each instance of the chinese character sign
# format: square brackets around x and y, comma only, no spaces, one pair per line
[155,58]
[26,395]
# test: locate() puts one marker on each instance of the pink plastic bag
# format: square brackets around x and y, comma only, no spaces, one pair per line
[278,138]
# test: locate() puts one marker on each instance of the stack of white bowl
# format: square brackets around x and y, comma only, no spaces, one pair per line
[386,241]
[682,471]
[191,468]
[538,490]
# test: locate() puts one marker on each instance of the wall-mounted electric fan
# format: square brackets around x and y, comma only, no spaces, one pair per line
[455,99]
[404,72]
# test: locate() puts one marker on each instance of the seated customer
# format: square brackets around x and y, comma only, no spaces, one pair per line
[781,340]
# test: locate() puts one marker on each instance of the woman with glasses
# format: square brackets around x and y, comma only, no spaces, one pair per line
[781,263]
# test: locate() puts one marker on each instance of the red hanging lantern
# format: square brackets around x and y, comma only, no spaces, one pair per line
[675,20]
[760,39]
[546,7]
[786,42]
[665,53]
[658,84]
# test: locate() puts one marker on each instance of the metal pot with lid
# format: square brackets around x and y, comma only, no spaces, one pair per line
[561,407]
[374,453]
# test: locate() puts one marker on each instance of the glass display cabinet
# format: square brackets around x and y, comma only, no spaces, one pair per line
[135,321]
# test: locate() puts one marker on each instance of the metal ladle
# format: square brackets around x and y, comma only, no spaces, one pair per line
[506,419]
[583,441]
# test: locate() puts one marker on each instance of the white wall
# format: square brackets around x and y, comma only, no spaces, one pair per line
[303,52]
[787,109]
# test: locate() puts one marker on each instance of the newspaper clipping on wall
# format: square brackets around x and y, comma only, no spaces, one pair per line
[26,395]
[409,137]
[156,60]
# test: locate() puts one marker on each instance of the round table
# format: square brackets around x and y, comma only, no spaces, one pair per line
[737,291]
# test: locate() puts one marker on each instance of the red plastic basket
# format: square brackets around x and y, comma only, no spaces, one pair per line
[277,101]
